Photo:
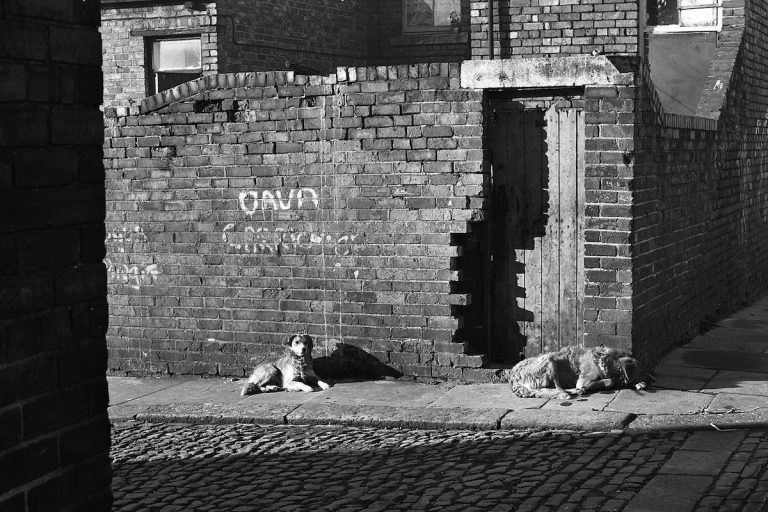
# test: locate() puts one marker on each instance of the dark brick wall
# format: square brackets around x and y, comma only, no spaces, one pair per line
[389,45]
[54,432]
[507,28]
[701,197]
[263,35]
[274,203]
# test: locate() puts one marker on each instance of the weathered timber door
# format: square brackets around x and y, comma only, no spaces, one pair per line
[537,240]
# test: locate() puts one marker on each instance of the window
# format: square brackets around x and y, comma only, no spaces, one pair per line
[684,15]
[431,15]
[173,62]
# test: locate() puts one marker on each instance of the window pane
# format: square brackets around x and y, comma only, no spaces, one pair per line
[176,55]
[419,13]
[705,17]
[445,11]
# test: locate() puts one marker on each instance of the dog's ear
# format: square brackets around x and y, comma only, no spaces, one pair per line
[289,340]
[309,342]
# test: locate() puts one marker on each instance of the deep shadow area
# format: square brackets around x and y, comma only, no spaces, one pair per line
[348,361]
[519,206]
[242,467]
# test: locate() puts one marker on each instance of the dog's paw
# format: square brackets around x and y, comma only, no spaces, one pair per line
[563,395]
[322,385]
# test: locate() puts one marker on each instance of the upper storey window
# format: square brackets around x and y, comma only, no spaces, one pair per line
[431,15]
[174,61]
[685,15]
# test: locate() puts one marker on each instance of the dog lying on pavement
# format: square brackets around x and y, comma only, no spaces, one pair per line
[576,370]
[292,372]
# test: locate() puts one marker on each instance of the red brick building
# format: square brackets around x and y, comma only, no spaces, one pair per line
[548,181]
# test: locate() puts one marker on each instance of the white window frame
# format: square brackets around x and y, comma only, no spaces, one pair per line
[151,40]
[676,29]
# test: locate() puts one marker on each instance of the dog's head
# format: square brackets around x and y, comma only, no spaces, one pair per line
[633,373]
[299,345]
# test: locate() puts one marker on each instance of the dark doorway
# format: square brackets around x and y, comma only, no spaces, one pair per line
[537,283]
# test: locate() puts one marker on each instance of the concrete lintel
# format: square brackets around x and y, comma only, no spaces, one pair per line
[542,72]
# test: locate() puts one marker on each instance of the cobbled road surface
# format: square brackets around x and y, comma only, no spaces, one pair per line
[180,467]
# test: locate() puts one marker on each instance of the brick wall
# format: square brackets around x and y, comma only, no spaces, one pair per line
[609,133]
[389,45]
[54,435]
[507,28]
[124,30]
[274,203]
[700,205]
[314,34]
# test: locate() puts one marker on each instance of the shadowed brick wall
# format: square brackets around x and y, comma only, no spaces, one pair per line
[54,432]
[701,205]
[317,34]
[390,45]
[506,28]
[269,204]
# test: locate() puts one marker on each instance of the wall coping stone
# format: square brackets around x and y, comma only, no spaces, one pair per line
[542,72]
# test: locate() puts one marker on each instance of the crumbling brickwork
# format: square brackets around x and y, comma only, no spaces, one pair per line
[54,439]
[125,29]
[272,203]
[235,36]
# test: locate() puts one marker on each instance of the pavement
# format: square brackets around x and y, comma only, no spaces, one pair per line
[718,381]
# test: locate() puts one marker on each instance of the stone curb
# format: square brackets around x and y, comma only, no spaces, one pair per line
[397,417]
[659,422]
[382,416]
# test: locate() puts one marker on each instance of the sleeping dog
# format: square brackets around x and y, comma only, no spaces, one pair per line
[292,372]
[576,370]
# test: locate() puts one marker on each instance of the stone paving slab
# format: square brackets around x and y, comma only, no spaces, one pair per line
[659,401]
[682,378]
[486,396]
[385,392]
[725,402]
[731,338]
[590,402]
[582,421]
[745,383]
[670,493]
[396,417]
[658,422]
[755,322]
[718,359]
[695,462]
[714,441]
[123,389]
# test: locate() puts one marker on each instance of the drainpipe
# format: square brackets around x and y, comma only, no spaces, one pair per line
[490,29]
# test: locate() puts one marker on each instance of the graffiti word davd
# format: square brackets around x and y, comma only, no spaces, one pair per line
[252,201]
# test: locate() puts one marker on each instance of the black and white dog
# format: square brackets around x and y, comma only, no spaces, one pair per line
[292,372]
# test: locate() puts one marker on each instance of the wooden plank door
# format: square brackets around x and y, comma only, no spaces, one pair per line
[537,231]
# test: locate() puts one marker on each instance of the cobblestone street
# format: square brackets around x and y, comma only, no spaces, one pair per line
[245,467]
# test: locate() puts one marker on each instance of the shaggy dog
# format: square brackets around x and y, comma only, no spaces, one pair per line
[292,372]
[576,370]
